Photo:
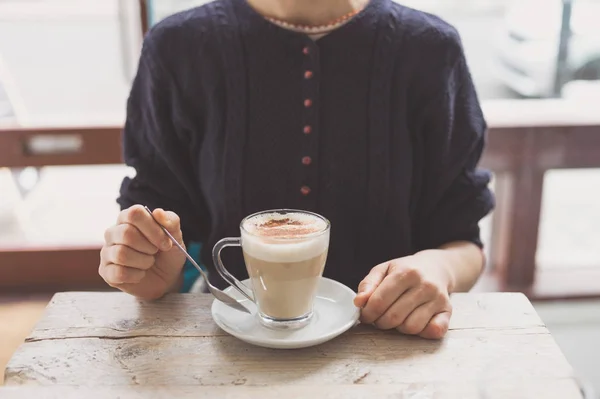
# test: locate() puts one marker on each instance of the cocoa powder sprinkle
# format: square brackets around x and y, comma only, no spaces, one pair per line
[284,228]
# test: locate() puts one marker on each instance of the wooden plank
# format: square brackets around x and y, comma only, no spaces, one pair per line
[503,149]
[377,358]
[547,389]
[524,113]
[522,229]
[144,16]
[50,269]
[559,147]
[173,342]
[78,314]
[516,220]
[98,146]
[581,146]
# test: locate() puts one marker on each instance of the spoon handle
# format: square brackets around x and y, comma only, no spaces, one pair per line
[193,262]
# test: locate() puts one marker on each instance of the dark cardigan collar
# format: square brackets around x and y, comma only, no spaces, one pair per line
[249,18]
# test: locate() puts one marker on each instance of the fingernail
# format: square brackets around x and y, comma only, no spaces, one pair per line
[366,289]
[166,245]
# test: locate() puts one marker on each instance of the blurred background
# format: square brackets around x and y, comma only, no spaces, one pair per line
[65,71]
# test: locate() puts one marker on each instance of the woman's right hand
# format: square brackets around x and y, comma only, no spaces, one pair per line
[138,257]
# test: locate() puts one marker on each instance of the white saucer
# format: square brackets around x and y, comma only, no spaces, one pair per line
[334,314]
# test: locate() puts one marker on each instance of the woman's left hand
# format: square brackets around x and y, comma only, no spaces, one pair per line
[410,294]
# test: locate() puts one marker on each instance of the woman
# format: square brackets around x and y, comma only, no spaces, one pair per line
[360,110]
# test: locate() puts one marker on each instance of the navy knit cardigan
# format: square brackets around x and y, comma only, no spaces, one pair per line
[376,126]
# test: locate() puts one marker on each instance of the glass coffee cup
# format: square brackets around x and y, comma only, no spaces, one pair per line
[285,252]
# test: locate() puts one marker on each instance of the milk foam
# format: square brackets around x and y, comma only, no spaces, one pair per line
[286,242]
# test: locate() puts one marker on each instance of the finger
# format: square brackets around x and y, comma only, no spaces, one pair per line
[401,309]
[437,326]
[116,275]
[169,220]
[384,296]
[370,283]
[417,320]
[129,235]
[126,256]
[139,217]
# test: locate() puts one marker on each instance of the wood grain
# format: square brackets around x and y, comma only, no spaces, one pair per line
[375,358]
[121,344]
[118,315]
[547,389]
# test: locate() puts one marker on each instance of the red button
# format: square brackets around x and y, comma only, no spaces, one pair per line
[305,190]
[308,74]
[306,160]
[307,129]
[306,50]
[308,103]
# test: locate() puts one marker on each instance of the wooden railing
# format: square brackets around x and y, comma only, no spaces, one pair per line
[526,139]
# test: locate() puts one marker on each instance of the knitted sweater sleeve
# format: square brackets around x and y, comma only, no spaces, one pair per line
[455,195]
[156,143]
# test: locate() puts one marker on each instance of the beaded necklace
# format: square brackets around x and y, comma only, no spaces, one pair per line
[315,30]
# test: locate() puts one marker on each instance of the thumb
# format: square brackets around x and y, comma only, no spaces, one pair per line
[369,284]
[437,326]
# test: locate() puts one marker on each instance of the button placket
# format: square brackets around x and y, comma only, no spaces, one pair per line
[310,83]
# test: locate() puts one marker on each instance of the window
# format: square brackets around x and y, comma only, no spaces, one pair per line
[66,67]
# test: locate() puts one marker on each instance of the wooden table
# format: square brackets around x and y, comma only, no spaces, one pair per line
[103,345]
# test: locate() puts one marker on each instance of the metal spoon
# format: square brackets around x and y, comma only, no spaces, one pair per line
[220,295]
